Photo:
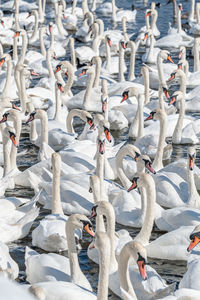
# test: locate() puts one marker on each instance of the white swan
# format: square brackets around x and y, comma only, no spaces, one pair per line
[55,267]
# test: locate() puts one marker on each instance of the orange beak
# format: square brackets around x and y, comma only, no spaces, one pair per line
[67,73]
[54,56]
[170,59]
[108,135]
[166,93]
[125,97]
[58,68]
[14,106]
[179,66]
[191,162]
[141,267]
[14,141]
[150,117]
[60,87]
[33,73]
[133,186]
[145,36]
[148,14]
[173,99]
[82,73]
[89,230]
[16,34]
[171,77]
[109,42]
[91,123]
[2,61]
[50,29]
[193,243]
[4,119]
[2,23]
[123,45]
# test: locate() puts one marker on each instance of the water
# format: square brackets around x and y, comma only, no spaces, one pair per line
[171,271]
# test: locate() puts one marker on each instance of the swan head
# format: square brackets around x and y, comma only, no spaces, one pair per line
[194,237]
[123,44]
[177,96]
[78,221]
[130,92]
[136,250]
[165,55]
[180,7]
[177,75]
[108,39]
[102,208]
[60,87]
[104,101]
[191,153]
[143,162]
[101,144]
[106,128]
[9,133]
[182,52]
[87,117]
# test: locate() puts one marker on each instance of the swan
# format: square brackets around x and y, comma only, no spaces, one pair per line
[84,34]
[175,37]
[54,133]
[9,268]
[50,234]
[183,215]
[168,184]
[55,267]
[153,145]
[12,290]
[62,289]
[155,283]
[151,54]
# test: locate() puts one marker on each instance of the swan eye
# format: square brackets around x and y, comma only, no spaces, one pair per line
[136,156]
[58,68]
[5,117]
[93,212]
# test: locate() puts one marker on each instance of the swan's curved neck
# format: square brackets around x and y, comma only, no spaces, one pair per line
[114,16]
[100,166]
[151,49]
[157,163]
[182,77]
[110,219]
[42,116]
[160,72]
[97,71]
[23,95]
[59,24]
[193,199]
[131,74]
[70,81]
[179,21]
[75,270]
[154,19]
[123,273]
[146,85]
[15,55]
[176,137]
[119,165]
[16,4]
[104,260]
[69,122]
[56,201]
[121,64]
[57,116]
[42,46]
[6,155]
[21,61]
[197,13]
[192,5]
[108,57]
[17,125]
[137,127]
[87,96]
[149,185]
[72,52]
[7,86]
[33,37]
[160,96]
[40,11]
[196,55]
[48,62]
